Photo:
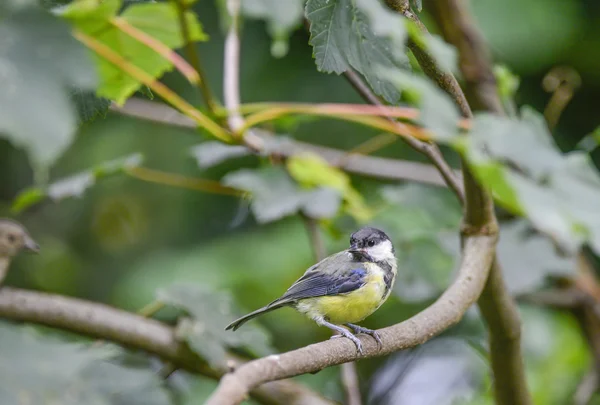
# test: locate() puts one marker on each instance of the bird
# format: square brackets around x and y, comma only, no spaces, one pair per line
[344,288]
[13,239]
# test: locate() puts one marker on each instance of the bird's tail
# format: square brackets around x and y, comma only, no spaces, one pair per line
[239,322]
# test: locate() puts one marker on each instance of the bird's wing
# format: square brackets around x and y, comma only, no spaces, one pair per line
[322,279]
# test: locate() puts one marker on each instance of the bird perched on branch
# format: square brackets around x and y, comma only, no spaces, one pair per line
[13,239]
[343,288]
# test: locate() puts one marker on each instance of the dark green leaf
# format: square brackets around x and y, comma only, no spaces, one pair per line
[211,153]
[362,36]
[89,105]
[37,82]
[211,312]
[76,185]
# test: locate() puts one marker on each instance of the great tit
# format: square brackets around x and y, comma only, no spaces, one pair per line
[343,288]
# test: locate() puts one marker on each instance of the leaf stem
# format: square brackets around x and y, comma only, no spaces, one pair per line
[113,57]
[180,64]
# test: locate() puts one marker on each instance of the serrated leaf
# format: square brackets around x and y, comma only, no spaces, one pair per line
[343,38]
[282,18]
[37,81]
[311,170]
[530,176]
[158,20]
[211,312]
[275,195]
[76,185]
[43,370]
[211,153]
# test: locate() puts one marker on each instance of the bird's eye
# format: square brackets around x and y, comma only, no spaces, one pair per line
[11,238]
[371,243]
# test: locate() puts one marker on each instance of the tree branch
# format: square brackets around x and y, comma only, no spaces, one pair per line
[478,253]
[497,306]
[104,322]
[380,168]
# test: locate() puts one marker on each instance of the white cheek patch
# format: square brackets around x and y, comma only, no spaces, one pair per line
[381,251]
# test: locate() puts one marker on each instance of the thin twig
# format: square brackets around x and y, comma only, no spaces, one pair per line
[351,383]
[159,88]
[376,167]
[194,57]
[478,253]
[131,330]
[231,77]
[178,180]
[428,149]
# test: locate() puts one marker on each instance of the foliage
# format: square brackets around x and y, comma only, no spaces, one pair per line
[44,370]
[52,83]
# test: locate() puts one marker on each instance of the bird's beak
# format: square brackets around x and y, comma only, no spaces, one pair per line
[355,249]
[31,245]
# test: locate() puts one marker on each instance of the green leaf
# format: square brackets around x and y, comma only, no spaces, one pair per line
[311,170]
[362,36]
[158,20]
[275,195]
[42,370]
[438,112]
[76,185]
[36,83]
[211,153]
[89,106]
[530,176]
[211,312]
[282,17]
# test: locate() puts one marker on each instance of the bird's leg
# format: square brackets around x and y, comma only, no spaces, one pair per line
[342,332]
[370,332]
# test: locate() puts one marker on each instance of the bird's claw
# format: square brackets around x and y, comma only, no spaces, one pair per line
[373,333]
[353,338]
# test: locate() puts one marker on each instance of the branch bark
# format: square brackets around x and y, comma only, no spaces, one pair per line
[131,330]
[376,167]
[477,256]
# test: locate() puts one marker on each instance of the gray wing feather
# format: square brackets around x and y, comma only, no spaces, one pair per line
[334,275]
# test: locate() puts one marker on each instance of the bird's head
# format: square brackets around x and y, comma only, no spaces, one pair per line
[372,243]
[14,238]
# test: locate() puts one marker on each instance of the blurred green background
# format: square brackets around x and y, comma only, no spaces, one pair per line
[125,238]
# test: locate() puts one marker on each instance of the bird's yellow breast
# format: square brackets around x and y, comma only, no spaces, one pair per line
[351,307]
